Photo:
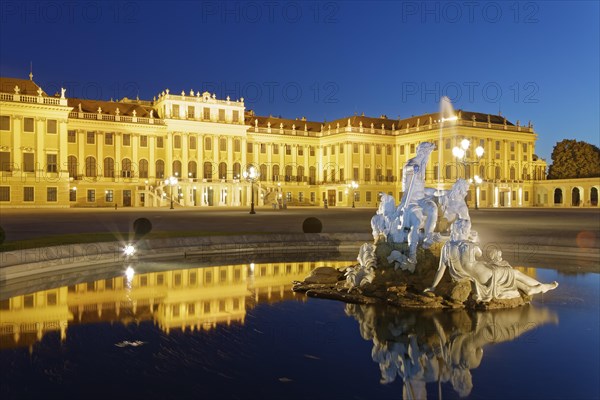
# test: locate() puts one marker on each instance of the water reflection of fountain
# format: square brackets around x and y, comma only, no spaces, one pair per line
[440,347]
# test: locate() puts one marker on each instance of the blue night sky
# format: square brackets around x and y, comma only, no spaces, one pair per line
[535,61]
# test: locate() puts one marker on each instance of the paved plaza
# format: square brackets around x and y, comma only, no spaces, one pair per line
[576,228]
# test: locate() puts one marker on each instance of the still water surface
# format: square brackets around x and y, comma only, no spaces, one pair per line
[237,331]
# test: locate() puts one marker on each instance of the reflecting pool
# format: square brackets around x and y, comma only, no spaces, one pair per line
[181,330]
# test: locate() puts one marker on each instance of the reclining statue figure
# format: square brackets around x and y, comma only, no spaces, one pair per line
[493,279]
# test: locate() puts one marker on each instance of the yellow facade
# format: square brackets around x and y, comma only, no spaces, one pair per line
[84,153]
[185,299]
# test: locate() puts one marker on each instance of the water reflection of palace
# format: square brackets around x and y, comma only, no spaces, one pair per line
[194,298]
[439,347]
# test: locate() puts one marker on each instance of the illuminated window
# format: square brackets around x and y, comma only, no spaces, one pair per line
[177,141]
[4,193]
[28,193]
[51,126]
[51,163]
[160,142]
[207,143]
[108,196]
[206,113]
[126,139]
[143,141]
[71,136]
[4,123]
[108,138]
[91,195]
[52,194]
[91,138]
[191,112]
[28,162]
[28,125]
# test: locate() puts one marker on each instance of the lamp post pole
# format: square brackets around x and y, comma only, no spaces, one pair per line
[354,186]
[172,181]
[477,181]
[251,175]
[252,198]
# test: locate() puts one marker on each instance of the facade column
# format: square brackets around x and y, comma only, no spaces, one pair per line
[135,144]
[230,149]
[151,157]
[282,161]
[17,151]
[306,156]
[100,155]
[244,154]
[81,136]
[319,164]
[490,170]
[520,162]
[40,156]
[118,141]
[269,176]
[169,155]
[201,160]
[348,163]
[215,146]
[361,167]
[505,160]
[184,155]
[373,165]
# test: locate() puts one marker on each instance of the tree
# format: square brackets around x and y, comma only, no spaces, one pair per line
[573,159]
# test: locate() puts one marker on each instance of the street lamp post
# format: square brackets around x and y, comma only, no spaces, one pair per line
[354,186]
[172,181]
[251,175]
[477,181]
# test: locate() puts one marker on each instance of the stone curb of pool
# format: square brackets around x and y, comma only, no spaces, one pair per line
[21,263]
[27,262]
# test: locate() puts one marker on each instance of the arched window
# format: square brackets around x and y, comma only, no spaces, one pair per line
[300,174]
[222,170]
[177,168]
[143,168]
[160,169]
[525,174]
[288,173]
[264,172]
[312,175]
[126,171]
[575,197]
[109,167]
[192,170]
[275,172]
[449,171]
[237,171]
[594,196]
[90,167]
[72,166]
[208,170]
[558,196]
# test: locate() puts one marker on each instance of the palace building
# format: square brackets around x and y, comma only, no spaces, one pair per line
[57,151]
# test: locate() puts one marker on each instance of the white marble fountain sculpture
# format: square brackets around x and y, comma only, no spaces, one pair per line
[492,278]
